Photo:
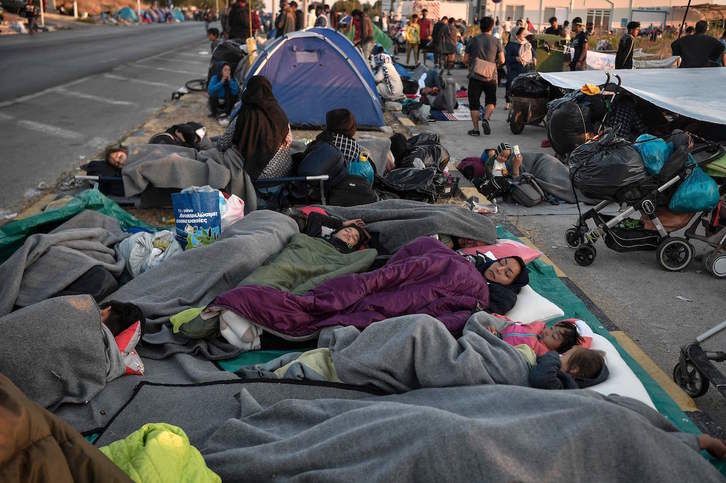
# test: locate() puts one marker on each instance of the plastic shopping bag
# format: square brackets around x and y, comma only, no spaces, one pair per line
[654,151]
[198,217]
[699,192]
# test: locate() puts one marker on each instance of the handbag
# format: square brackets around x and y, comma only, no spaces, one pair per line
[485,69]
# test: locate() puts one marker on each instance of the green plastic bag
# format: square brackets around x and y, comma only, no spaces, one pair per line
[13,234]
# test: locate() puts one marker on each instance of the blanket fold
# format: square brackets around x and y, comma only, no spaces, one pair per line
[48,263]
[397,222]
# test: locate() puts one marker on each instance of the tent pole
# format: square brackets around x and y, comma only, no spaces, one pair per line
[680,31]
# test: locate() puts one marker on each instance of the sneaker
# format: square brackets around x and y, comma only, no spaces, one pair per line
[485,127]
[224,122]
[474,132]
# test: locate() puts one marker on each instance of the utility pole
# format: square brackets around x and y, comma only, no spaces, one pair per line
[75,9]
[42,14]
[138,9]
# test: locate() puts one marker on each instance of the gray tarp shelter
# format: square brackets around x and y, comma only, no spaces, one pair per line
[696,93]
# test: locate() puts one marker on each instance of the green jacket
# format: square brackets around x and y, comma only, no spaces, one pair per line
[160,452]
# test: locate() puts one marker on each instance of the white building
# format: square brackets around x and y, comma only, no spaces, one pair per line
[603,13]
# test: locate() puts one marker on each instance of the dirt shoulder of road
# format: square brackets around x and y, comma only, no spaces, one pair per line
[190,107]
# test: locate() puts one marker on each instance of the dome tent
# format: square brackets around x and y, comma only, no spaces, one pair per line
[317,70]
[126,13]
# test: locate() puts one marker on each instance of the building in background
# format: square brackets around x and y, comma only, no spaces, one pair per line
[606,14]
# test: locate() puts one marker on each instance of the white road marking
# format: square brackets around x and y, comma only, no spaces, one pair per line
[140,81]
[6,117]
[50,90]
[52,130]
[175,60]
[91,97]
[164,69]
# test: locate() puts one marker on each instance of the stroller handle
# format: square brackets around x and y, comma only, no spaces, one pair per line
[711,332]
[720,152]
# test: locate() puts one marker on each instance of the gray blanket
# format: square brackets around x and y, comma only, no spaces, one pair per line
[480,433]
[398,222]
[168,166]
[194,278]
[552,175]
[48,263]
[57,351]
[395,355]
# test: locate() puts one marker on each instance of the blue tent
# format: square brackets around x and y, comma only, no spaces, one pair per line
[126,13]
[317,70]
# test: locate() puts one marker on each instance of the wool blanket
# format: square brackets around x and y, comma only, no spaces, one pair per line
[492,433]
[424,277]
[307,262]
[194,278]
[48,263]
[169,166]
[397,222]
[395,355]
[58,351]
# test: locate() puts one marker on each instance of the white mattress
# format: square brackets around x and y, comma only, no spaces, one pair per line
[622,380]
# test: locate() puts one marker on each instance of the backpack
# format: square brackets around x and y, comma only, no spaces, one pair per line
[352,191]
[525,191]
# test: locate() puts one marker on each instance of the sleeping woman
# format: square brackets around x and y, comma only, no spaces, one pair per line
[505,278]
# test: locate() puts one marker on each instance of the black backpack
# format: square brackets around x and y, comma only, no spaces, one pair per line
[352,191]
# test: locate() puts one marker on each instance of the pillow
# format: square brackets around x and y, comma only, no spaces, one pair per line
[505,248]
[622,380]
[531,306]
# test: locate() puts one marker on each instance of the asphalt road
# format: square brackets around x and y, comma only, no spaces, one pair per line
[66,95]
[659,310]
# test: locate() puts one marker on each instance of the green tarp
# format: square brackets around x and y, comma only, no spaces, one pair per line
[13,234]
[381,38]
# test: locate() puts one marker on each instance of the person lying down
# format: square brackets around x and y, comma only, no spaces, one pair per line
[417,351]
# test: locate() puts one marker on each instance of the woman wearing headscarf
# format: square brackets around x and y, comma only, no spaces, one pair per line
[518,56]
[262,132]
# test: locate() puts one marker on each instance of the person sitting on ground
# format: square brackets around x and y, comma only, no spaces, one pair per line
[262,132]
[213,36]
[577,368]
[699,50]
[340,129]
[223,91]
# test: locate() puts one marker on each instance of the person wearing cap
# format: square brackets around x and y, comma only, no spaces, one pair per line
[579,46]
[624,57]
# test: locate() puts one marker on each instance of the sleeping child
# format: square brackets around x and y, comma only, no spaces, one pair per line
[561,337]
[415,351]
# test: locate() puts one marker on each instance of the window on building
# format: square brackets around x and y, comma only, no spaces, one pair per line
[516,12]
[599,18]
[548,14]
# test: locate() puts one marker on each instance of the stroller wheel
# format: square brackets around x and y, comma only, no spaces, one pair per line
[585,255]
[516,122]
[674,253]
[716,263]
[693,382]
[572,237]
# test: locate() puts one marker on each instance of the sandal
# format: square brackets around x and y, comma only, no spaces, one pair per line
[473,132]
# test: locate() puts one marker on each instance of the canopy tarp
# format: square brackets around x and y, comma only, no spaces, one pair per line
[695,93]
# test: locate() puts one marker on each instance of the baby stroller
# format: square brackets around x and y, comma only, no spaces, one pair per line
[694,371]
[627,183]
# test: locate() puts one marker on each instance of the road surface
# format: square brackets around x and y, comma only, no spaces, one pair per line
[66,95]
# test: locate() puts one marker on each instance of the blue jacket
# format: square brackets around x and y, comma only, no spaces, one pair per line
[216,88]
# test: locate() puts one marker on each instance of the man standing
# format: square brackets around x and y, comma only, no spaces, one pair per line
[31,13]
[320,19]
[698,50]
[554,28]
[579,45]
[507,30]
[298,15]
[483,53]
[624,57]
[426,26]
[239,21]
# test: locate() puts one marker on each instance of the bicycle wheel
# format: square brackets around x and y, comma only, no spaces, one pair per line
[197,85]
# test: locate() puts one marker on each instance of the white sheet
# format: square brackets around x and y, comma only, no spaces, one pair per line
[695,93]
